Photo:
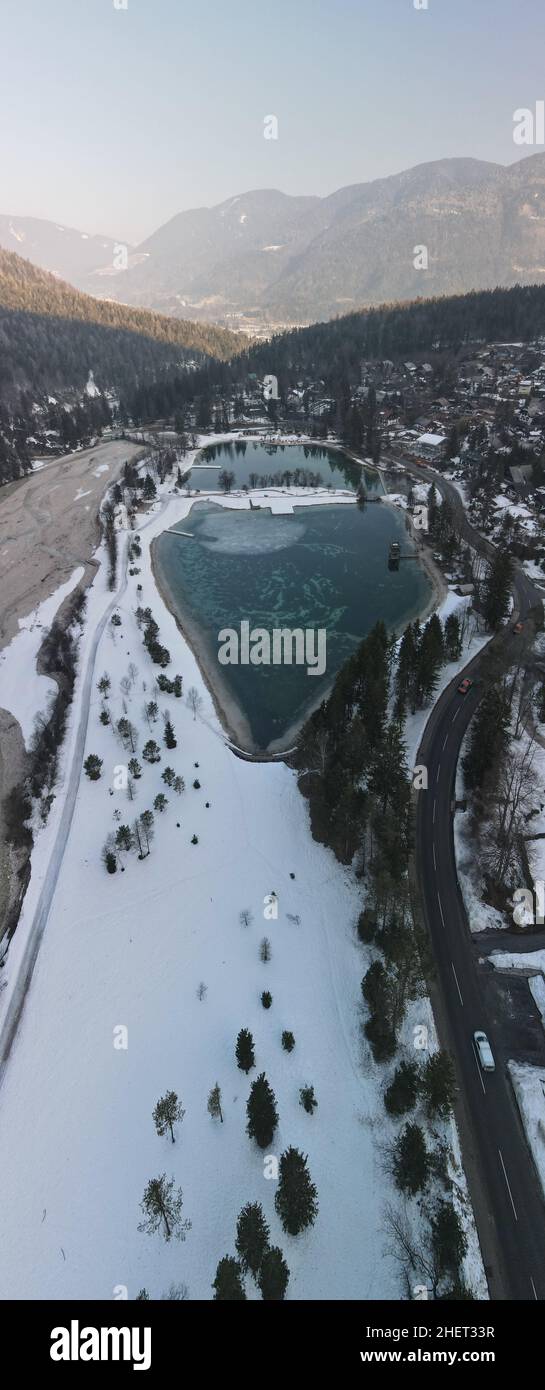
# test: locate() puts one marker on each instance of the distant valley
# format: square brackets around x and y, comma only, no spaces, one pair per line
[265,260]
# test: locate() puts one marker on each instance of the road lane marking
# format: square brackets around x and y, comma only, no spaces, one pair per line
[434,860]
[434,810]
[445,743]
[455,716]
[438,772]
[477,1064]
[440,909]
[507,1182]
[534,1289]
[457,985]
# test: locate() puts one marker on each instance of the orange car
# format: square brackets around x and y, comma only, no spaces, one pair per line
[518,627]
[464,686]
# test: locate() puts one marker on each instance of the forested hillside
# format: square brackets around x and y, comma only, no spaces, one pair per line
[393,330]
[332,352]
[52,338]
[25,288]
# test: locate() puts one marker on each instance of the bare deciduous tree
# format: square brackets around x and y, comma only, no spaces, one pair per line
[194,700]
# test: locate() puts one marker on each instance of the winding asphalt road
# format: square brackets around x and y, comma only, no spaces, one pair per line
[503,1183]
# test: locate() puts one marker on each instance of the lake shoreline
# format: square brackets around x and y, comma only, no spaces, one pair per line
[229,713]
[231,717]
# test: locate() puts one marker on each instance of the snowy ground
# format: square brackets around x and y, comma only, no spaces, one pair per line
[525,961]
[77,1142]
[482,916]
[529,1087]
[22,691]
[518,511]
[534,571]
[521,960]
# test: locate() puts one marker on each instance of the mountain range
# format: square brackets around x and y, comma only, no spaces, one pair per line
[270,257]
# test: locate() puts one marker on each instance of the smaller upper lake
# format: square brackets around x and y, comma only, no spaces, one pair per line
[259,465]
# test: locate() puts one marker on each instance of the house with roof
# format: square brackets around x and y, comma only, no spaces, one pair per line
[430,446]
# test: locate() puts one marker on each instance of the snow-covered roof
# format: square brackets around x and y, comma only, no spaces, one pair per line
[432,441]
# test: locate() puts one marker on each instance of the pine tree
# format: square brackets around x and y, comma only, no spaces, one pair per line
[296,1197]
[169,735]
[433,509]
[162,1208]
[439,1084]
[448,1239]
[135,768]
[488,739]
[245,1050]
[93,767]
[214,1103]
[228,1281]
[127,733]
[168,1112]
[402,1092]
[273,1277]
[252,1237]
[376,988]
[406,672]
[146,825]
[160,803]
[389,772]
[151,751]
[307,1099]
[124,838]
[411,1162]
[453,638]
[149,489]
[498,589]
[430,659]
[262,1112]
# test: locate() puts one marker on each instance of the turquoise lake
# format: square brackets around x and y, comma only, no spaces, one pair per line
[323,567]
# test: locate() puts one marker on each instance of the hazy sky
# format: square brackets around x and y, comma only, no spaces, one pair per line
[112,120]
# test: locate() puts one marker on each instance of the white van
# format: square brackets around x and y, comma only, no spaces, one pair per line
[484,1052]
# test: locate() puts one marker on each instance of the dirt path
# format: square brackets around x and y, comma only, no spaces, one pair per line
[48,527]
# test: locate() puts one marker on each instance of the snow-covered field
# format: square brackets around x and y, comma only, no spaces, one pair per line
[130,950]
[22,690]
